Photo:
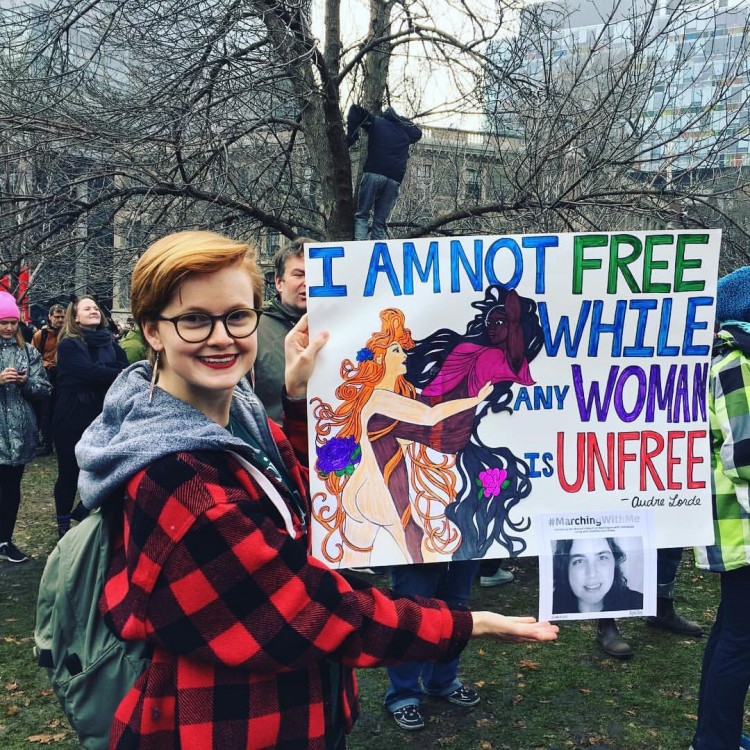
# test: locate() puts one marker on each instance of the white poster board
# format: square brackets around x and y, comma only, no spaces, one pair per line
[596,350]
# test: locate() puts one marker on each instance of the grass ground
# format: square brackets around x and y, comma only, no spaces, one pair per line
[551,697]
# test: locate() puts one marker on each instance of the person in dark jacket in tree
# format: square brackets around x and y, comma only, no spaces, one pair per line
[280,315]
[389,138]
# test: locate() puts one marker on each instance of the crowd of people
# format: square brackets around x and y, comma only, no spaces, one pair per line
[210,507]
[53,382]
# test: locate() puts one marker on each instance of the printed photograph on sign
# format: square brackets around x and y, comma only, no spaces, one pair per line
[590,576]
[598,565]
[470,384]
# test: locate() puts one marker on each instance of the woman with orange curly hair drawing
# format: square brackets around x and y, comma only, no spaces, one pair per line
[365,465]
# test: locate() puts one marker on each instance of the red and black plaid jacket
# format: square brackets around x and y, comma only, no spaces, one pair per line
[254,640]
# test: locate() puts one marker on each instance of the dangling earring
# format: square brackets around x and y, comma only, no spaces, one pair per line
[154,371]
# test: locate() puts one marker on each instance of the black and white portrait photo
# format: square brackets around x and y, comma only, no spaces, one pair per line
[597,574]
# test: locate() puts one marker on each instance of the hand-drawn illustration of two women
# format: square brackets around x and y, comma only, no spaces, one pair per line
[498,345]
[365,464]
[398,459]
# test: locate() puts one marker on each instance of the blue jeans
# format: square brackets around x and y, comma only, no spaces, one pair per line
[667,563]
[378,194]
[725,675]
[450,582]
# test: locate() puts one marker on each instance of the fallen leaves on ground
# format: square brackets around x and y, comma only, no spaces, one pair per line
[443,741]
[599,739]
[46,739]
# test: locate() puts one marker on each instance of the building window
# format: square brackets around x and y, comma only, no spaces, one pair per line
[473,184]
[423,174]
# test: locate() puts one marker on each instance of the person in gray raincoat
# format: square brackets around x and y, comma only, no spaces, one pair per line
[22,378]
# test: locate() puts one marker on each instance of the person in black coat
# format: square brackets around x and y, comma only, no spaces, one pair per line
[88,361]
[389,138]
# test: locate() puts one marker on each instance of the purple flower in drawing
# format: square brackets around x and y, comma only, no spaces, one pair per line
[338,456]
[492,481]
[365,354]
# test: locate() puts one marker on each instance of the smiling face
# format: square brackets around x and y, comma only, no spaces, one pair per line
[205,374]
[87,314]
[591,572]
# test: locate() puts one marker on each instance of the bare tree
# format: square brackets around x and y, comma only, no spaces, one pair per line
[225,114]
[153,115]
[628,123]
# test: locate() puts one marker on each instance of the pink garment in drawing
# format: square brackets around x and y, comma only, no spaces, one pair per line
[476,365]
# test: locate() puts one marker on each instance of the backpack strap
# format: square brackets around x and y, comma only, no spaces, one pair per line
[271,492]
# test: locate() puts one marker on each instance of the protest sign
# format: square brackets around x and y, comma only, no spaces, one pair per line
[473,383]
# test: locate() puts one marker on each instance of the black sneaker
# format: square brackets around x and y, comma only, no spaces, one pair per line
[11,553]
[408,717]
[463,696]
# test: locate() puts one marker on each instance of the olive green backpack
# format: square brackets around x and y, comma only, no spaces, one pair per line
[90,668]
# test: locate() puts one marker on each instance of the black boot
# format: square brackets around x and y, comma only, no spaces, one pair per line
[611,641]
[667,619]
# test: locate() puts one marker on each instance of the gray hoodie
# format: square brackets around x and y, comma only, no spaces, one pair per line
[132,433]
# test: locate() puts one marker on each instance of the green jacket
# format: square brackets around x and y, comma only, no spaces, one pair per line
[133,345]
[276,321]
[729,414]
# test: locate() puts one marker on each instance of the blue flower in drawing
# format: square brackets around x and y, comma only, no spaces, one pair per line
[365,354]
[338,456]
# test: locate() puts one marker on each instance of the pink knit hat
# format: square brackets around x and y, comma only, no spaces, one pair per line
[8,306]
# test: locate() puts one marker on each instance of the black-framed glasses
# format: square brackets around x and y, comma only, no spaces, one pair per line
[196,327]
